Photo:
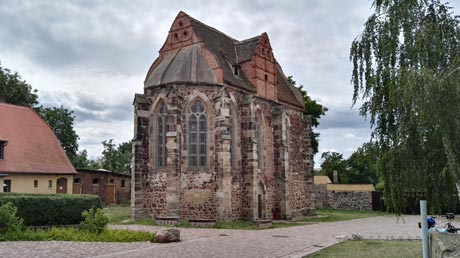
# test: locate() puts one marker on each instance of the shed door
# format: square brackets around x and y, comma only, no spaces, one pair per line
[110,194]
[61,185]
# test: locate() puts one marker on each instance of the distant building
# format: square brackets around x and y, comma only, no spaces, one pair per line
[31,157]
[220,132]
[113,188]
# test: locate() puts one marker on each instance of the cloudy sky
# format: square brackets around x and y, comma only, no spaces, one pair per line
[92,56]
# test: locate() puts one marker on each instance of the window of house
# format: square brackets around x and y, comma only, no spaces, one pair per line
[161,136]
[197,135]
[76,180]
[123,183]
[95,181]
[7,185]
[50,183]
[111,181]
[2,149]
[35,183]
[260,142]
[236,70]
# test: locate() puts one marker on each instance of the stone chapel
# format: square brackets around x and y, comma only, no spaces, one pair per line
[219,133]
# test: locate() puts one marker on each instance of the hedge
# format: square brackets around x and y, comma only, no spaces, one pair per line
[51,209]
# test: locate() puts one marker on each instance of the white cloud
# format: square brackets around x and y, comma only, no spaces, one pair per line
[349,136]
[92,56]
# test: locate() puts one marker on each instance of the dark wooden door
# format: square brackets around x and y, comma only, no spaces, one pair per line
[61,185]
[259,206]
[110,194]
[76,188]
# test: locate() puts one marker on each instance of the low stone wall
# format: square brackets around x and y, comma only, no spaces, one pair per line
[349,200]
[444,245]
[341,200]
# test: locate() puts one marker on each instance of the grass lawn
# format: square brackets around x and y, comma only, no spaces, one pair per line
[122,215]
[71,234]
[329,215]
[372,249]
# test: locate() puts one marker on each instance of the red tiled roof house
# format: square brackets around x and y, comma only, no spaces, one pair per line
[31,157]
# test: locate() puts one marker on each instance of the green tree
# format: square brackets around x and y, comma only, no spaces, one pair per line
[313,109]
[362,165]
[62,122]
[333,161]
[81,161]
[406,71]
[116,159]
[14,90]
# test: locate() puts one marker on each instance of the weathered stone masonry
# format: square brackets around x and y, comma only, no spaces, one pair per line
[248,156]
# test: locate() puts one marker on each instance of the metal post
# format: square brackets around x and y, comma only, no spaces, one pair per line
[424,228]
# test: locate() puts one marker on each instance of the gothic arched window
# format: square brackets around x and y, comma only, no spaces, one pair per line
[161,135]
[234,131]
[197,135]
[260,142]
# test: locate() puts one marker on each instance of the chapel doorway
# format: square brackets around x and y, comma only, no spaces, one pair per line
[259,206]
[260,202]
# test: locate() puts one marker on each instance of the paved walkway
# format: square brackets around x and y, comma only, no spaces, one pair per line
[283,242]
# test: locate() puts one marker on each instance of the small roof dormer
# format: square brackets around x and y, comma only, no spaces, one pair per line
[3,143]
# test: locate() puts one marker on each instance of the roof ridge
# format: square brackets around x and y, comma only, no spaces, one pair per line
[15,106]
[248,40]
[211,28]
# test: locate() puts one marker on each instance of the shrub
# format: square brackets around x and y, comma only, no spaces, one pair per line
[9,222]
[71,234]
[51,209]
[95,220]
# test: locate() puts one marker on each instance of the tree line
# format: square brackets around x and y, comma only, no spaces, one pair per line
[360,168]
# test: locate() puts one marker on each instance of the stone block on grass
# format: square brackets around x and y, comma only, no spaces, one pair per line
[167,235]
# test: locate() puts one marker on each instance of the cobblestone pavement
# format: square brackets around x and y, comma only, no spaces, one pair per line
[282,242]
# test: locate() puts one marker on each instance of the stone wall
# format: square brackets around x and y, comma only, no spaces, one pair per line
[350,200]
[341,200]
[221,190]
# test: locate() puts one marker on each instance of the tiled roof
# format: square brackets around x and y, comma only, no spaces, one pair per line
[187,65]
[32,145]
[286,92]
[223,47]
[102,171]
[351,187]
[245,49]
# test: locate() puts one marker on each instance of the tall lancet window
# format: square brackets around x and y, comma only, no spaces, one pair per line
[259,135]
[197,135]
[234,131]
[161,135]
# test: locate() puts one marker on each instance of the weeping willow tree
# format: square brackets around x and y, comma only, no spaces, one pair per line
[406,74]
